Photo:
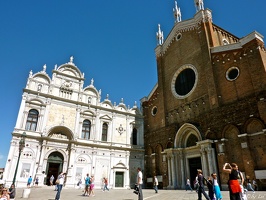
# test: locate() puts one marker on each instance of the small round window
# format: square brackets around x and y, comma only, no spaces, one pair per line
[178,37]
[232,73]
[184,81]
[154,111]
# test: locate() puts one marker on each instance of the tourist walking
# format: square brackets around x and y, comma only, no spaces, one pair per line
[233,184]
[249,186]
[52,180]
[216,187]
[201,186]
[29,182]
[91,190]
[210,188]
[105,184]
[243,193]
[37,182]
[188,186]
[79,184]
[60,181]
[155,184]
[87,185]
[139,183]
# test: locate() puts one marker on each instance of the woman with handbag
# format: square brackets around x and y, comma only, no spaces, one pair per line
[59,182]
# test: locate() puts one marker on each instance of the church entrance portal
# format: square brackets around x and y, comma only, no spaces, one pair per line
[54,166]
[119,179]
[194,164]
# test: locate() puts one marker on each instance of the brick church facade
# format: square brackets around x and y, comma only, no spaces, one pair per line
[209,104]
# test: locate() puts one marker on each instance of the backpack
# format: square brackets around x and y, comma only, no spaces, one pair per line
[205,181]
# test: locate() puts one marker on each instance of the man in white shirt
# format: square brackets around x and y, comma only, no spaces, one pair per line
[155,184]
[139,183]
[188,187]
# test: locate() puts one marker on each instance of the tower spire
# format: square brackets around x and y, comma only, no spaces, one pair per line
[177,13]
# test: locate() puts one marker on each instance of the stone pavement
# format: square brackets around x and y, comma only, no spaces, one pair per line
[48,193]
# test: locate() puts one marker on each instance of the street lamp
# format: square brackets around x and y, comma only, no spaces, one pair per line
[21,147]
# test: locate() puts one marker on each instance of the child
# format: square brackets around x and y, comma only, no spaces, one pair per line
[210,188]
[216,187]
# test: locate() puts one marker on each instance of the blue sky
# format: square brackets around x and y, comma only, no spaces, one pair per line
[112,41]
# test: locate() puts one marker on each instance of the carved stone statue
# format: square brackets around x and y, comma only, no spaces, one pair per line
[177,13]
[44,68]
[199,5]
[159,35]
[71,59]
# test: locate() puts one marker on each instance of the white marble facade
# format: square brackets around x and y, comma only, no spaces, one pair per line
[68,128]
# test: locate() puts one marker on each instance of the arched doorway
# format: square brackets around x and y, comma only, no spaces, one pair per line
[54,166]
[191,152]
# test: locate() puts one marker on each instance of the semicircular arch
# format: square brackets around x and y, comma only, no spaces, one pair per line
[41,77]
[51,151]
[70,70]
[61,132]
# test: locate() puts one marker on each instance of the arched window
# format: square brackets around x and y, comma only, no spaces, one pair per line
[86,129]
[192,141]
[32,120]
[104,132]
[134,136]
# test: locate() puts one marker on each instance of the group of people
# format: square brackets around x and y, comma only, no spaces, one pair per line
[236,182]
[212,184]
[29,182]
[8,194]
[89,186]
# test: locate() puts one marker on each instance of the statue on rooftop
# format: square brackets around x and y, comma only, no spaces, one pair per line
[159,35]
[177,13]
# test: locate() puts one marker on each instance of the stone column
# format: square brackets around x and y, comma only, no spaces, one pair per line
[45,115]
[40,124]
[98,127]
[182,169]
[21,113]
[112,172]
[169,171]
[174,175]
[204,162]
[210,161]
[127,183]
[173,171]
[76,131]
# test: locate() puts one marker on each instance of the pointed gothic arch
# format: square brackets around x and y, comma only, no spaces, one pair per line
[253,125]
[183,135]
